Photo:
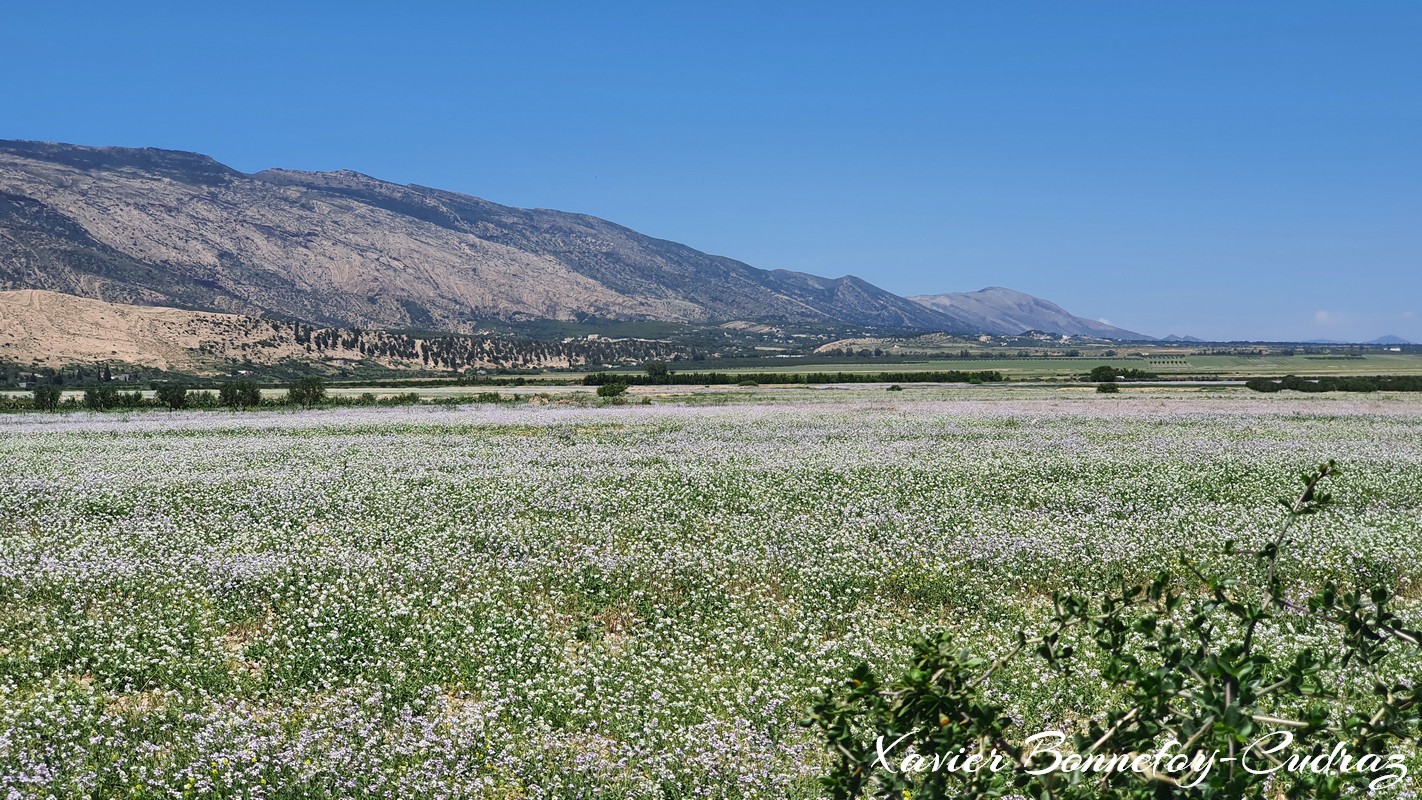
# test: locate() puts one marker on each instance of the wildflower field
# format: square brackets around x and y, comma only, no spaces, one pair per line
[608,602]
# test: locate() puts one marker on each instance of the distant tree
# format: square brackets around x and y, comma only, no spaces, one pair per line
[46,397]
[657,370]
[172,395]
[240,394]
[1103,373]
[307,392]
[100,398]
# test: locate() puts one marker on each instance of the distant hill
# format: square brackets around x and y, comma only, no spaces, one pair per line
[167,228]
[1380,340]
[1174,338]
[51,329]
[48,329]
[1004,311]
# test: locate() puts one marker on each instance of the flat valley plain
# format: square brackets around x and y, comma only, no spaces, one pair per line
[544,601]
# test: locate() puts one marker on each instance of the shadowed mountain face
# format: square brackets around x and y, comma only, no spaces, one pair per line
[158,227]
[1004,311]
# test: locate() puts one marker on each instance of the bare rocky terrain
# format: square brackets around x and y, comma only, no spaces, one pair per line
[51,329]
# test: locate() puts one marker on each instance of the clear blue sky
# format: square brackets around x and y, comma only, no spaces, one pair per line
[1221,169]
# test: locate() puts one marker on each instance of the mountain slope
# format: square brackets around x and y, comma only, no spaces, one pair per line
[158,227]
[1005,311]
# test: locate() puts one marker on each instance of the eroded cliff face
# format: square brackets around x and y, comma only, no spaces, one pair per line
[49,329]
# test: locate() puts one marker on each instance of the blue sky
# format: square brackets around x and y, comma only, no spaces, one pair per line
[1221,169]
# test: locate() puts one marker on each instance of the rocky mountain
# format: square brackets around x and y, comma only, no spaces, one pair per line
[1007,312]
[165,228]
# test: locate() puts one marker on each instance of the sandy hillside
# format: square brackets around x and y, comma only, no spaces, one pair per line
[51,329]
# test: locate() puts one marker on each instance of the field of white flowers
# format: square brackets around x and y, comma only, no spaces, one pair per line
[620,602]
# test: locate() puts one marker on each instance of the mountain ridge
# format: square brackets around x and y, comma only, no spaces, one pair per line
[180,229]
[1008,311]
[176,229]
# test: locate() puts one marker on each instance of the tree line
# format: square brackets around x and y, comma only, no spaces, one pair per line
[1375,383]
[663,377]
[236,395]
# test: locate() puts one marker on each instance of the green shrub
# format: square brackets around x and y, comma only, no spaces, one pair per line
[307,392]
[240,394]
[171,395]
[612,390]
[1184,655]
[100,398]
[46,398]
[1108,388]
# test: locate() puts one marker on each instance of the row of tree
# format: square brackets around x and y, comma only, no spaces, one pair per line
[174,396]
[236,395]
[1376,383]
[660,376]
